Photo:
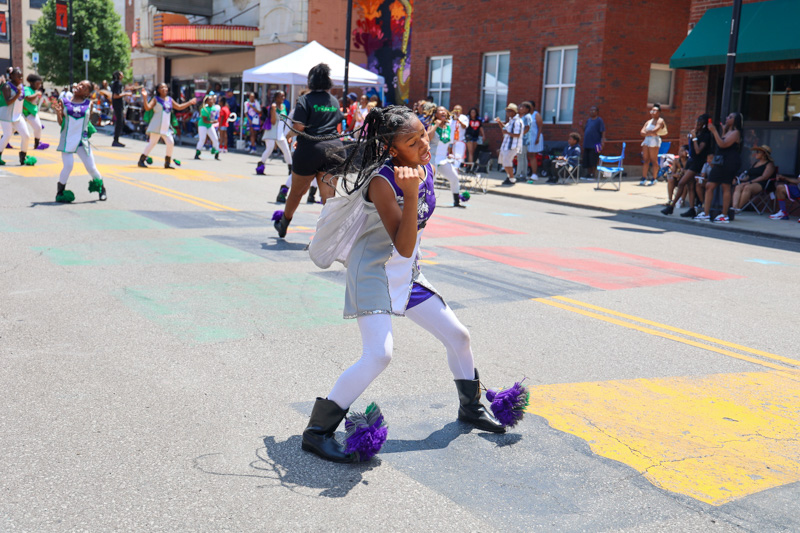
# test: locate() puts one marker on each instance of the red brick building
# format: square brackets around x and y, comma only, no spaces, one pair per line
[566,56]
[766,88]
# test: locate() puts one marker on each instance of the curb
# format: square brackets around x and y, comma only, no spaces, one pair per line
[731,228]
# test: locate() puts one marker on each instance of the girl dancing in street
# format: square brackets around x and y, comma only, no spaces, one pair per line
[205,126]
[383,279]
[160,126]
[30,109]
[276,134]
[73,117]
[12,97]
[440,134]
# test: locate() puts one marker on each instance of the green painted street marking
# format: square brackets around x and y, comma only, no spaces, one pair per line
[64,218]
[225,310]
[146,252]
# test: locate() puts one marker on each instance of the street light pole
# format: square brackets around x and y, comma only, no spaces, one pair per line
[347,51]
[727,86]
[71,33]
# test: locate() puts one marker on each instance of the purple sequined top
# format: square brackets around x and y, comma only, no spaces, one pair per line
[427,196]
[76,110]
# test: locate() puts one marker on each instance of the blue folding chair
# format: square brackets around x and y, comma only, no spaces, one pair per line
[610,170]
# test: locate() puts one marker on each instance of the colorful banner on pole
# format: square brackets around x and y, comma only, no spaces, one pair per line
[62,18]
[3,27]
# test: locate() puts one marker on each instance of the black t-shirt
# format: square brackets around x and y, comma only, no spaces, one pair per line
[116,88]
[703,137]
[319,112]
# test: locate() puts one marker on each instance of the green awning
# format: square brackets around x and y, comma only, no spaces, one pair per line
[768,31]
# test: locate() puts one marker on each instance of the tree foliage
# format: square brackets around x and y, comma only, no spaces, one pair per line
[97,26]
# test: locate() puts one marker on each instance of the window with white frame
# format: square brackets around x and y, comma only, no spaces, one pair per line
[441,74]
[661,85]
[494,90]
[560,72]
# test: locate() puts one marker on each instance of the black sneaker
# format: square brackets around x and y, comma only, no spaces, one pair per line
[507,183]
[118,144]
[103,195]
[668,210]
[281,226]
[691,213]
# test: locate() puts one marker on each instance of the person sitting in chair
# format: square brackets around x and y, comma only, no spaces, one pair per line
[572,156]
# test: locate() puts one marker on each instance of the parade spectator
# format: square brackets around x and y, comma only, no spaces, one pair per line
[727,162]
[352,111]
[755,179]
[233,103]
[699,148]
[676,171]
[594,138]
[252,109]
[522,155]
[512,134]
[473,132]
[535,139]
[458,123]
[569,160]
[117,104]
[426,112]
[224,114]
[786,189]
[652,131]
[361,111]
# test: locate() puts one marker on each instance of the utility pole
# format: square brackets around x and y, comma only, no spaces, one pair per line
[727,86]
[347,51]
[71,34]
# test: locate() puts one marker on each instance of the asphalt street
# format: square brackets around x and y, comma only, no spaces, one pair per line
[161,352]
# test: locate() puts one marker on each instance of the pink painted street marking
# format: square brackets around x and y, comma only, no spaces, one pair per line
[441,227]
[595,267]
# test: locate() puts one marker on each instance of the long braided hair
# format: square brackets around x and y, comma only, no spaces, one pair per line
[358,160]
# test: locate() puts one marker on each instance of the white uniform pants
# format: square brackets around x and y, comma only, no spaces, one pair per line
[283,144]
[448,170]
[68,160]
[8,132]
[36,125]
[376,336]
[154,141]
[211,131]
[289,182]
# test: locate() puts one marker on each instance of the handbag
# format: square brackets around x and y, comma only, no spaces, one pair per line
[339,225]
[718,160]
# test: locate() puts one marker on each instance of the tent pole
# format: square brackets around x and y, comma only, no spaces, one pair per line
[347,50]
[241,113]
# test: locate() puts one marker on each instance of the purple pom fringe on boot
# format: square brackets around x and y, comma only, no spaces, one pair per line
[276,216]
[365,433]
[508,405]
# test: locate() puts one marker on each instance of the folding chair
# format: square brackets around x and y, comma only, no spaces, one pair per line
[607,174]
[763,200]
[567,172]
[476,174]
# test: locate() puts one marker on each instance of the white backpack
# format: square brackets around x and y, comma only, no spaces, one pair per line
[339,225]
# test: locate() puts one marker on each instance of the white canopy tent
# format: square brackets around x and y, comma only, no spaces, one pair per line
[292,69]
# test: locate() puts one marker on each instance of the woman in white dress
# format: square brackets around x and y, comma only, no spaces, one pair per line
[160,126]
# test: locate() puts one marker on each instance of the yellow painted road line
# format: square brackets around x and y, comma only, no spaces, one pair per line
[194,200]
[657,333]
[700,336]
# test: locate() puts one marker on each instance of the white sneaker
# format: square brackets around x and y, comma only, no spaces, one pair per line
[679,203]
[702,216]
[780,215]
[722,219]
[534,177]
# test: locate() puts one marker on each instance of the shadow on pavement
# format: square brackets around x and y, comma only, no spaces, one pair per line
[441,438]
[281,245]
[55,204]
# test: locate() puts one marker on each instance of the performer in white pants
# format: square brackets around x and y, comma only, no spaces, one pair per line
[276,134]
[11,103]
[73,117]
[205,126]
[30,109]
[160,126]
[441,142]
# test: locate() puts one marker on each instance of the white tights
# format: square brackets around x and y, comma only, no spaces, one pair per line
[289,182]
[154,141]
[88,161]
[36,125]
[283,144]
[376,336]
[8,132]
[449,171]
[211,131]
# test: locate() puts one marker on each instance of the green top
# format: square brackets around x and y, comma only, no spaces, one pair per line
[205,116]
[29,108]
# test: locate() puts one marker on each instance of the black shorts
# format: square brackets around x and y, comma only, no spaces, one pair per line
[312,157]
[696,166]
[471,137]
[590,157]
[723,174]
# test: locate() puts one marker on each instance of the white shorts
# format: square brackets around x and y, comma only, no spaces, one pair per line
[652,141]
[506,158]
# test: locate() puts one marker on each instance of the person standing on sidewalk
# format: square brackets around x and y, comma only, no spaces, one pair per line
[117,104]
[535,139]
[522,155]
[652,131]
[727,162]
[594,138]
[512,133]
[699,148]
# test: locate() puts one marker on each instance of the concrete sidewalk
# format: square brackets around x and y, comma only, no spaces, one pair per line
[640,201]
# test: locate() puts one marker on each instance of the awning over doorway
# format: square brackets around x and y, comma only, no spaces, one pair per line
[767,32]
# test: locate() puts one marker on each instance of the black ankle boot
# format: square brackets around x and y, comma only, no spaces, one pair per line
[472,410]
[36,143]
[22,156]
[457,200]
[142,159]
[669,209]
[290,168]
[282,226]
[167,161]
[312,192]
[318,437]
[281,199]
[691,213]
